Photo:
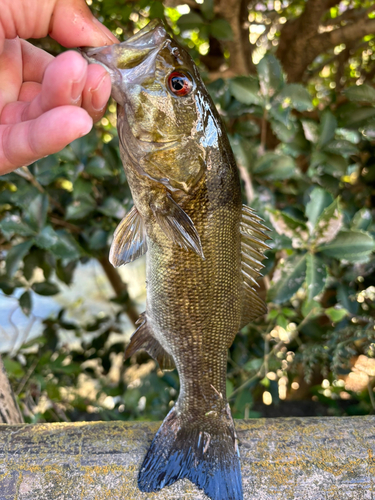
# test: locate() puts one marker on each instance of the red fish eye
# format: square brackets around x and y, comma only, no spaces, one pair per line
[179,83]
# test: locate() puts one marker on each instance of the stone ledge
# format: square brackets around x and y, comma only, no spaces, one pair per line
[282,459]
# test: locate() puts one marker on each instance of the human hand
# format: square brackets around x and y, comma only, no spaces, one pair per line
[47,102]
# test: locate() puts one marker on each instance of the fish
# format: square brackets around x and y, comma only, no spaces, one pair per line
[204,252]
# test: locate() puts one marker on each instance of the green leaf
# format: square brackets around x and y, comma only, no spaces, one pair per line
[311,308]
[245,89]
[46,238]
[270,75]
[66,246]
[311,130]
[289,226]
[295,96]
[85,146]
[15,255]
[361,93]
[288,279]
[7,286]
[272,166]
[354,246]
[319,200]
[190,21]
[341,147]
[156,10]
[316,275]
[98,239]
[13,368]
[243,151]
[12,224]
[45,288]
[336,315]
[369,132]
[328,127]
[357,117]
[65,273]
[246,129]
[36,212]
[97,166]
[362,219]
[25,303]
[53,391]
[328,224]
[113,208]
[346,297]
[221,29]
[80,208]
[283,132]
[207,9]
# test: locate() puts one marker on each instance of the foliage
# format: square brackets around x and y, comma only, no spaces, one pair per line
[306,159]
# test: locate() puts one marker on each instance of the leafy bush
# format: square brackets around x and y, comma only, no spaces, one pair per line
[306,161]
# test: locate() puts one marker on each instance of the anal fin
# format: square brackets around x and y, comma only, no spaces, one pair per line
[129,240]
[142,338]
[253,246]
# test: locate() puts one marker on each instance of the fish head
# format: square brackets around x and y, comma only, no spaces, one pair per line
[166,118]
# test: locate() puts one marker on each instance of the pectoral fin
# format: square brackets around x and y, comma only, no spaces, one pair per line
[129,240]
[142,338]
[178,226]
[252,249]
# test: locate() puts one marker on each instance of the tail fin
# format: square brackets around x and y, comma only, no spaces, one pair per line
[203,450]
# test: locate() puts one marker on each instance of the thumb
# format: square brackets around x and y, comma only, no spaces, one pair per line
[73,25]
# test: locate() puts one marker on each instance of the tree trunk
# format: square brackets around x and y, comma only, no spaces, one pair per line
[301,42]
[236,13]
[9,411]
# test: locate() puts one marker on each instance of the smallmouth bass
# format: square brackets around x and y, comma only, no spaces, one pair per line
[204,252]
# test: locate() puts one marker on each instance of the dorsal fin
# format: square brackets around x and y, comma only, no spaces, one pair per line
[129,241]
[252,250]
[142,338]
[177,225]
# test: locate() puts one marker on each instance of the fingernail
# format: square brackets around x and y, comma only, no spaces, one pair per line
[105,31]
[96,97]
[87,128]
[77,87]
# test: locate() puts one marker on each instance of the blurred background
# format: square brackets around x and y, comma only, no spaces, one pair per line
[294,84]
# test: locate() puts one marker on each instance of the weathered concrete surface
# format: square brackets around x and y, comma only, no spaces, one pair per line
[282,459]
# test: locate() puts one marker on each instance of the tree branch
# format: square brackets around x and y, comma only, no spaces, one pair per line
[300,41]
[9,410]
[119,287]
[351,32]
[349,15]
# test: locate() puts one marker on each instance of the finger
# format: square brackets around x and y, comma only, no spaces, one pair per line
[29,91]
[34,62]
[11,72]
[73,25]
[70,22]
[97,91]
[26,142]
[14,111]
[63,83]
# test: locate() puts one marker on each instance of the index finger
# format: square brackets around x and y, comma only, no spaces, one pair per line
[69,22]
[74,25]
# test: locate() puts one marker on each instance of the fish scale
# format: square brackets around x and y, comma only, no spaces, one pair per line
[204,252]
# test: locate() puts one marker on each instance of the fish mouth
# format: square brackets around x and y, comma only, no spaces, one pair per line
[131,61]
[131,53]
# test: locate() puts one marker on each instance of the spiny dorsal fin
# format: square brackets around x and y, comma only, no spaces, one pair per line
[177,225]
[252,250]
[129,241]
[142,338]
